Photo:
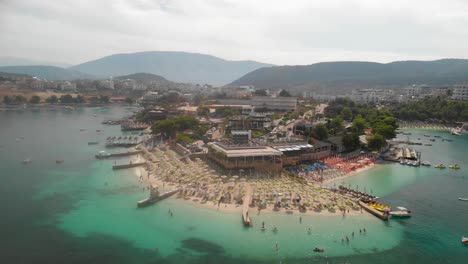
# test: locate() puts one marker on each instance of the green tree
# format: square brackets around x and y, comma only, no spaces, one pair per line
[203,111]
[347,113]
[18,99]
[375,142]
[351,141]
[80,99]
[34,99]
[320,131]
[7,99]
[103,99]
[337,124]
[387,131]
[129,100]
[260,92]
[53,99]
[66,99]
[359,124]
[284,93]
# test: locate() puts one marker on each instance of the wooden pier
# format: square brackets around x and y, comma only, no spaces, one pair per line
[379,214]
[128,165]
[245,207]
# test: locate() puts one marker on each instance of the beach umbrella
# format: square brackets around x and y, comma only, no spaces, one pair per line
[235,177]
[223,177]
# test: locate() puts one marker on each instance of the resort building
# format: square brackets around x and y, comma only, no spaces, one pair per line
[241,136]
[336,144]
[275,103]
[460,92]
[261,158]
[297,152]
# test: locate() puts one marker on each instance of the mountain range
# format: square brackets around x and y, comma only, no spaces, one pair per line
[47,72]
[174,66]
[358,74]
[18,61]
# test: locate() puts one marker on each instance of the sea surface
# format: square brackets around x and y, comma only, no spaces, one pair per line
[81,211]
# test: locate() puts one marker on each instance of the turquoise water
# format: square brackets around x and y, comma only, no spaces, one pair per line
[82,211]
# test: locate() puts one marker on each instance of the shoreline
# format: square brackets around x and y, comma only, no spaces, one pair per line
[329,203]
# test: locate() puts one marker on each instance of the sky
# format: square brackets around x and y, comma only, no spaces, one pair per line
[293,32]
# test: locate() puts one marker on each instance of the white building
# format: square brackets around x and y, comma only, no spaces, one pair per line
[460,92]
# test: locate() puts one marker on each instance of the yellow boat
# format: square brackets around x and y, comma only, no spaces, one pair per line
[455,166]
[440,166]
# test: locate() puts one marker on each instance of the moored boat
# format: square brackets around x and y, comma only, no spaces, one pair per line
[102,155]
[455,166]
[93,143]
[59,161]
[440,166]
[463,199]
[402,212]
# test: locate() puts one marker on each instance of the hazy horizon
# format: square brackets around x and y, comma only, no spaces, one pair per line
[302,33]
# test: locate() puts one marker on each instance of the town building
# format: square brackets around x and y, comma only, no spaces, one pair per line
[275,103]
[460,92]
[260,158]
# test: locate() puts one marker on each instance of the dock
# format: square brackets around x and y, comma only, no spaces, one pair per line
[118,154]
[245,207]
[123,141]
[155,197]
[379,214]
[128,165]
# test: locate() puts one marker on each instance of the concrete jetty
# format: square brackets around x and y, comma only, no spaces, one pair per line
[245,207]
[128,165]
[379,214]
[155,196]
[118,154]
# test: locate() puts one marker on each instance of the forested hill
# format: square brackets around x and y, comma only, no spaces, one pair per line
[174,66]
[336,74]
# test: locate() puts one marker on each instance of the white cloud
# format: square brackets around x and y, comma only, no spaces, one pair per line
[280,32]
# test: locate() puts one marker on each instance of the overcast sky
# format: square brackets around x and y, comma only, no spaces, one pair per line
[279,32]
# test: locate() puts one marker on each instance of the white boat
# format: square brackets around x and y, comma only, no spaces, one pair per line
[426,163]
[456,131]
[464,240]
[102,155]
[462,199]
[27,161]
[401,212]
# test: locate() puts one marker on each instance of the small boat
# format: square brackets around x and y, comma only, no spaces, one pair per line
[26,161]
[433,140]
[427,135]
[464,240]
[428,145]
[426,163]
[59,161]
[440,166]
[456,132]
[455,166]
[98,130]
[463,199]
[401,212]
[102,155]
[93,143]
[274,229]
[437,136]
[321,250]
[82,129]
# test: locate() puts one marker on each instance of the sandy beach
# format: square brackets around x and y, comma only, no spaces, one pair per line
[201,185]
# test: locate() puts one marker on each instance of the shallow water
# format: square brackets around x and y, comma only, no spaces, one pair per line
[82,211]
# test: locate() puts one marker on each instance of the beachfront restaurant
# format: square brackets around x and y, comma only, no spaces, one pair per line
[297,152]
[260,158]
